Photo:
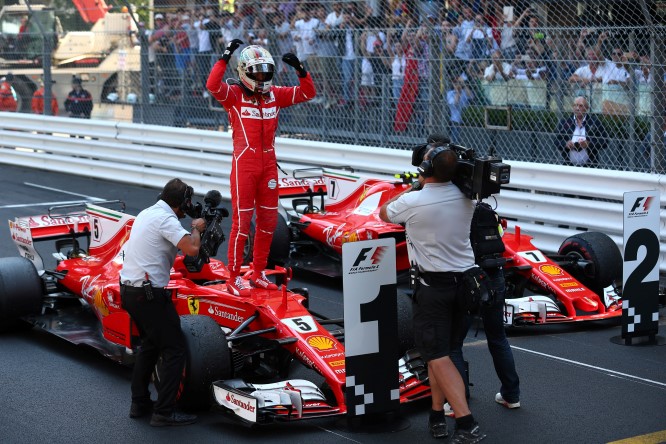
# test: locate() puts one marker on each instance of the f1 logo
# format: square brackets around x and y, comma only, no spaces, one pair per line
[374,259]
[637,203]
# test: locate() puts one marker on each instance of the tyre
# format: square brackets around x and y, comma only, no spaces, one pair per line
[602,252]
[405,327]
[279,250]
[21,291]
[208,360]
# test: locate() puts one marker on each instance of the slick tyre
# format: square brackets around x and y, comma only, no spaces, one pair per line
[208,360]
[20,292]
[601,251]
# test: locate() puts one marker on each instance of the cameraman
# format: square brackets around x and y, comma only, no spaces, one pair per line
[437,220]
[154,241]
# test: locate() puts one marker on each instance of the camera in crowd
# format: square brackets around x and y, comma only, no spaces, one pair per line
[477,177]
[212,237]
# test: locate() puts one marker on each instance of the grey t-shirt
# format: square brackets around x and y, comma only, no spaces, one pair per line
[152,246]
[437,221]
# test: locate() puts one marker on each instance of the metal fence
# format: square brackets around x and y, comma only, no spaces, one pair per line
[494,77]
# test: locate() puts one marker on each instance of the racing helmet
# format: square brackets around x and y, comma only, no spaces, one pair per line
[256,68]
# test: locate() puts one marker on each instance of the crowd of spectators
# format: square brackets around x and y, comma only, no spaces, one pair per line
[361,55]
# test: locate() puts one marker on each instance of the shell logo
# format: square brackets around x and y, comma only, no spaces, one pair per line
[321,343]
[552,270]
[99,302]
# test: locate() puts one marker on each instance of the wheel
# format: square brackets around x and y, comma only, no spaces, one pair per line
[405,327]
[208,359]
[599,249]
[279,250]
[20,291]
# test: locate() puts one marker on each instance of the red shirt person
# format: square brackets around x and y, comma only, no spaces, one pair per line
[37,104]
[254,104]
[7,100]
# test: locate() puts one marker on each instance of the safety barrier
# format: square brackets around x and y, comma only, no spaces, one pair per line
[549,202]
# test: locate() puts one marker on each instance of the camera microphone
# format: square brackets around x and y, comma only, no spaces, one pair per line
[438,138]
[213,198]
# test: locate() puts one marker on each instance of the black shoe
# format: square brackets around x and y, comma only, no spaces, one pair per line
[175,419]
[438,428]
[471,436]
[140,409]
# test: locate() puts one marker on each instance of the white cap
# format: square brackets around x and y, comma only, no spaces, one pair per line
[159,16]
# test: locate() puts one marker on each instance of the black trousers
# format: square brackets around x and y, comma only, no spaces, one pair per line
[161,335]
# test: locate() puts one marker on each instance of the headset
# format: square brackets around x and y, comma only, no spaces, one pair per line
[186,206]
[426,169]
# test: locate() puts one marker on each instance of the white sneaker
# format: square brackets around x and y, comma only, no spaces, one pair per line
[508,405]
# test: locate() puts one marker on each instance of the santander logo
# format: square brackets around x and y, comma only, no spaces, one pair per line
[244,405]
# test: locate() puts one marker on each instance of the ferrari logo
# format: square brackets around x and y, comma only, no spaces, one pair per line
[193,305]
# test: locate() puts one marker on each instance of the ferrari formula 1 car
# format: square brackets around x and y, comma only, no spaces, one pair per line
[240,349]
[577,284]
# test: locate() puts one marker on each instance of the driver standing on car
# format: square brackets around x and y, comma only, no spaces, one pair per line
[154,241]
[253,104]
[437,220]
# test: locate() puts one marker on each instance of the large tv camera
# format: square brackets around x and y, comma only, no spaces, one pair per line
[212,237]
[477,177]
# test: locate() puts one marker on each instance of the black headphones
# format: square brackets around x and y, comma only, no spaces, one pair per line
[426,169]
[186,205]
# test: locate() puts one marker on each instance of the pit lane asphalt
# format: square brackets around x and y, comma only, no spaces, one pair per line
[577,386]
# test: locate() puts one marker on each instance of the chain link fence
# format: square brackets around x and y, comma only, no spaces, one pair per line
[507,77]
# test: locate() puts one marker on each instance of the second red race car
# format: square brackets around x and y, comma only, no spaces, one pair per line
[579,283]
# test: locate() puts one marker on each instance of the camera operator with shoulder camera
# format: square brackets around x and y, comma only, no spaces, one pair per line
[154,241]
[437,220]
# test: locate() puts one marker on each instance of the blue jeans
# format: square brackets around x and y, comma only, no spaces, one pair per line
[498,345]
[348,68]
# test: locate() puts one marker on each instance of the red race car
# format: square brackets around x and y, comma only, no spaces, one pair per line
[238,348]
[580,283]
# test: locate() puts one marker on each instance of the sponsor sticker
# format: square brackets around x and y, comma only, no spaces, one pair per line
[321,343]
[569,284]
[339,363]
[193,305]
[552,270]
[240,404]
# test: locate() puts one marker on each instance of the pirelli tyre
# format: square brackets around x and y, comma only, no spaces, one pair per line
[21,292]
[208,359]
[603,254]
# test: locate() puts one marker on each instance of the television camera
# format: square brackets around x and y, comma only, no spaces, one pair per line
[477,177]
[212,237]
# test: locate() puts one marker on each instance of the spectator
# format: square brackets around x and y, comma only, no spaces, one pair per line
[367,87]
[350,22]
[458,99]
[588,75]
[232,27]
[37,104]
[498,70]
[452,69]
[328,52]
[509,44]
[398,64]
[204,53]
[533,37]
[617,82]
[305,39]
[580,137]
[283,44]
[79,103]
[182,44]
[480,38]
[421,51]
[462,31]
[8,101]
[560,69]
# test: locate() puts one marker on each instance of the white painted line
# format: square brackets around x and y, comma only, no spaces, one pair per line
[44,204]
[594,367]
[337,434]
[60,191]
